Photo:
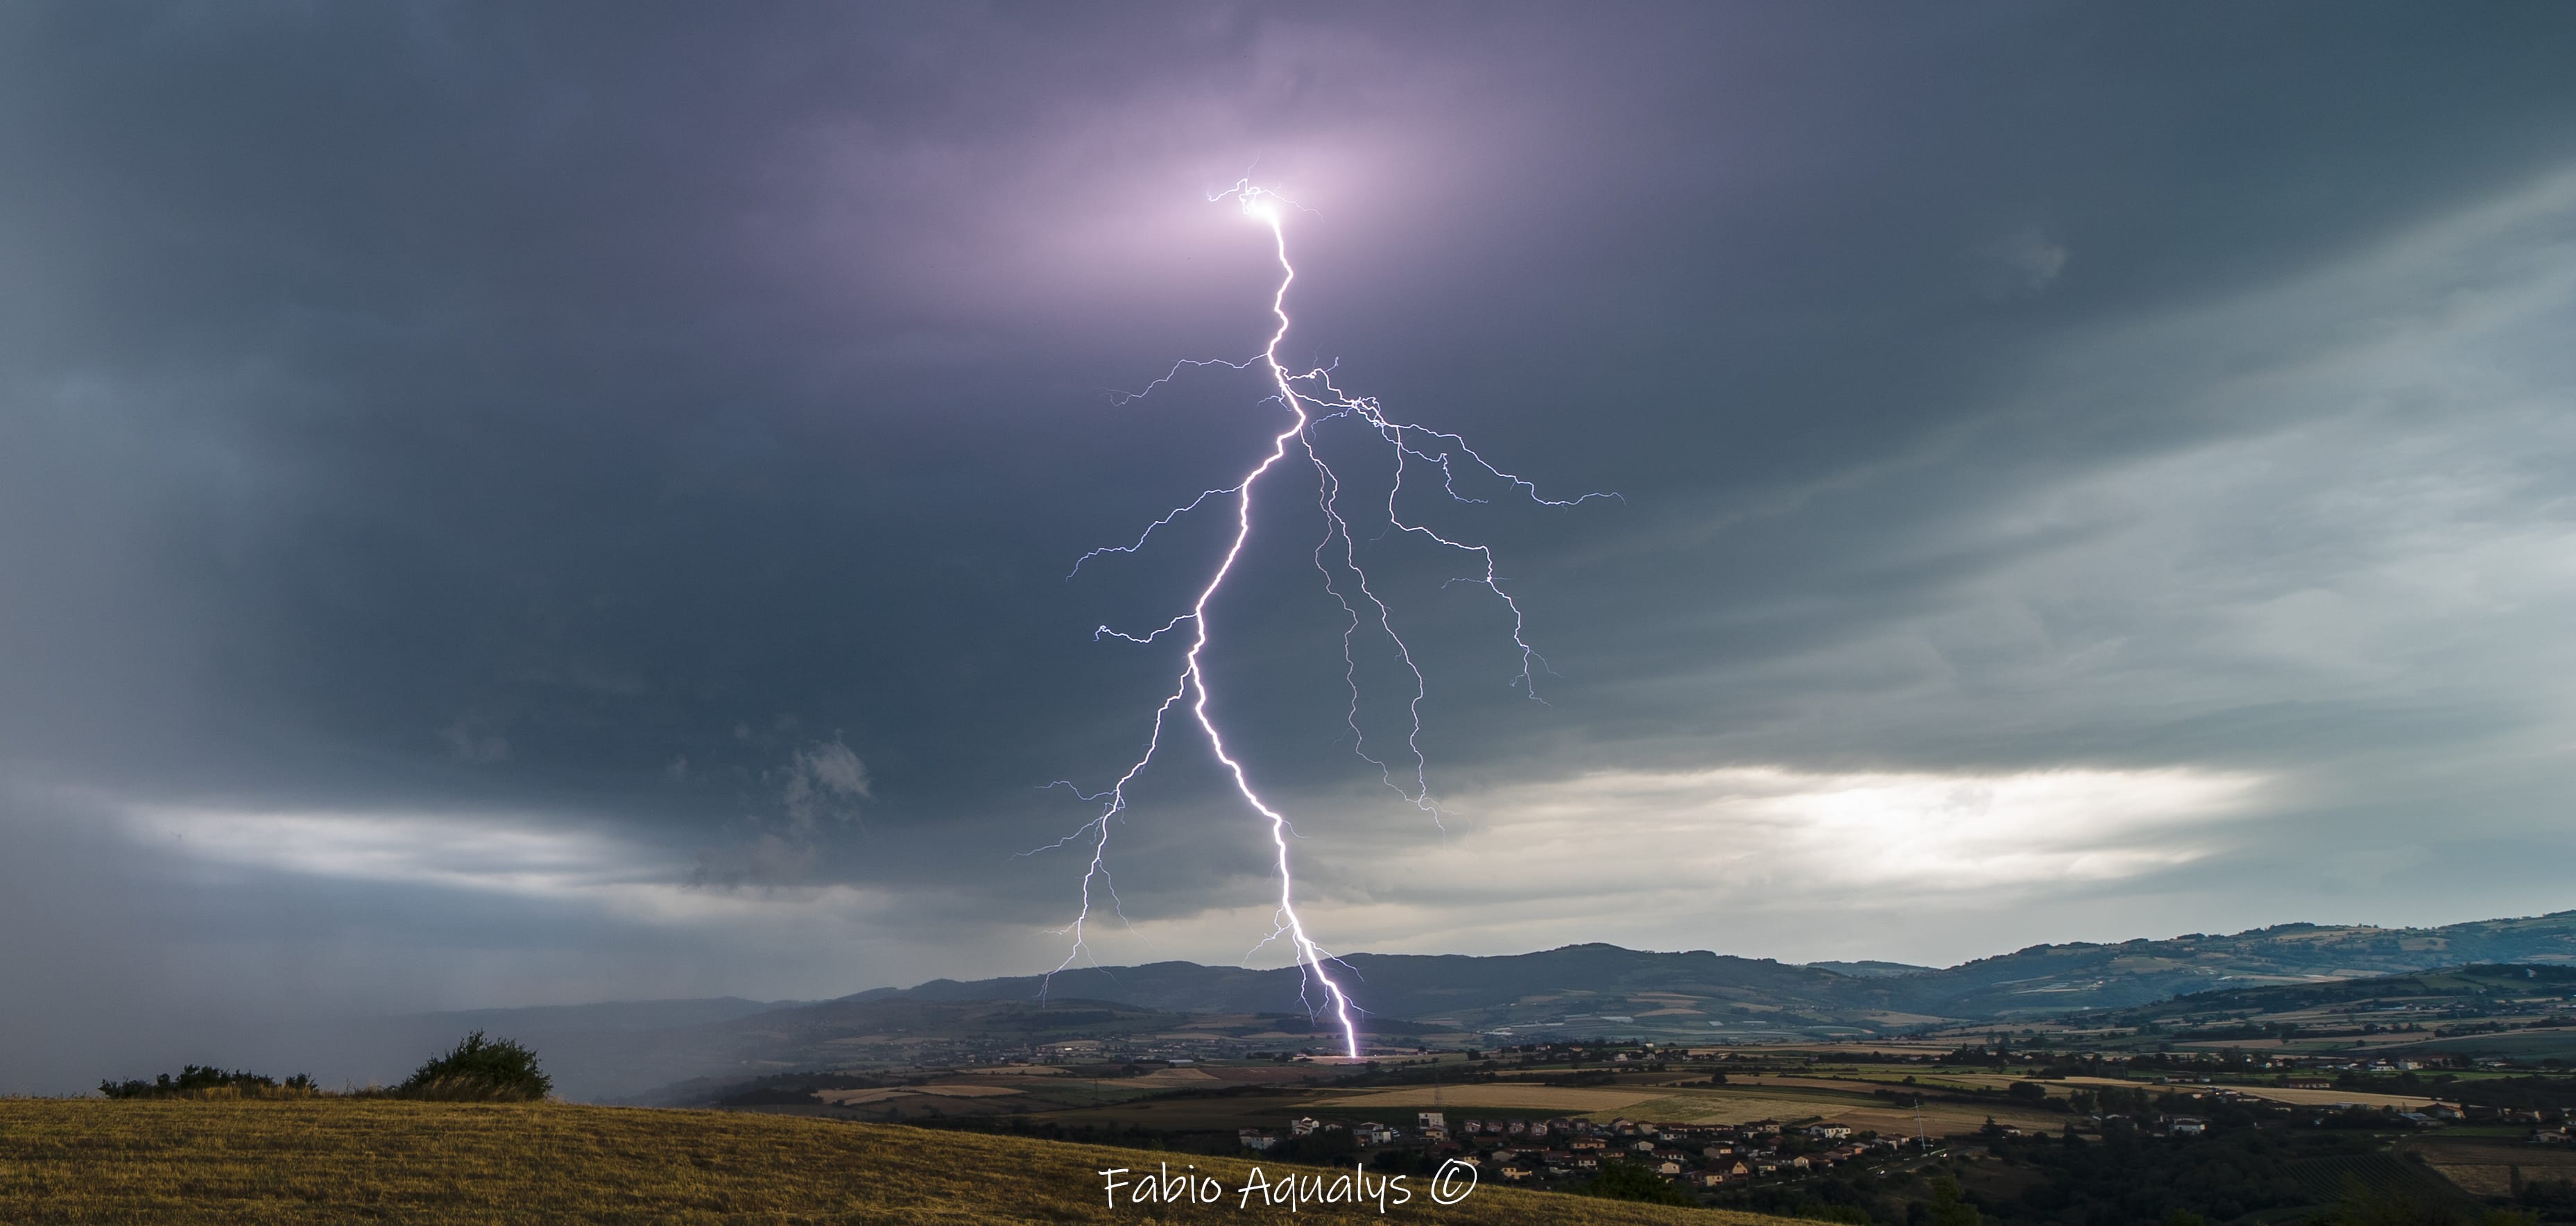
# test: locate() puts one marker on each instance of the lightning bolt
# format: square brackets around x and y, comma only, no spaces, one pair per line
[1310,398]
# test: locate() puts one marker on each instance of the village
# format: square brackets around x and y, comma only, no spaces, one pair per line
[1560,1148]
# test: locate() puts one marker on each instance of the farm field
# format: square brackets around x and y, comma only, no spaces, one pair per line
[1863,1082]
[2328,1098]
[2484,1166]
[2278,1094]
[1563,1100]
[1810,1099]
[1723,1108]
[78,1161]
[1944,1119]
[2539,1043]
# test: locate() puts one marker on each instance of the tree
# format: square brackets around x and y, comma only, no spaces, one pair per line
[1629,1181]
[480,1068]
[1950,1206]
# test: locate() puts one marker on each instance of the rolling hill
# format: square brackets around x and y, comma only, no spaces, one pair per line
[1572,988]
[2526,1011]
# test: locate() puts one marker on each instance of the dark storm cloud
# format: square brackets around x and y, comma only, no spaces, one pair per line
[584,421]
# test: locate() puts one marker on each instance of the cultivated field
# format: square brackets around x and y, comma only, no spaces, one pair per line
[325,1160]
[2484,1166]
[2278,1094]
[1724,1107]
[1789,1100]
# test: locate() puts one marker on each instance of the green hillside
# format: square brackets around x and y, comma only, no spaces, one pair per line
[326,1160]
[2521,1011]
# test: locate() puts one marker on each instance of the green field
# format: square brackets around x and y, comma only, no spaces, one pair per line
[329,1160]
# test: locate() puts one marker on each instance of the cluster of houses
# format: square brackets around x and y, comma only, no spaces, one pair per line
[1697,1155]
[1700,1155]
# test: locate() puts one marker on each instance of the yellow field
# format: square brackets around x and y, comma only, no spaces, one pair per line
[1723,1108]
[2327,1098]
[1944,1119]
[324,1160]
[1863,1085]
[2296,1098]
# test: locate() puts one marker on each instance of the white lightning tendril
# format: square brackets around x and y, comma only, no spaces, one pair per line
[1310,399]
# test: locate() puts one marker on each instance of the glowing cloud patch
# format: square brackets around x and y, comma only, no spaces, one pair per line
[478,854]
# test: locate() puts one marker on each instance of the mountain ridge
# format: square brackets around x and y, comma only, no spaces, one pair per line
[1517,990]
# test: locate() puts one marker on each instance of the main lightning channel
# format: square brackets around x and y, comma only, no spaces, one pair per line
[1410,444]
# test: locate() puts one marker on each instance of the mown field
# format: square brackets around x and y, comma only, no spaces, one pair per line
[328,1160]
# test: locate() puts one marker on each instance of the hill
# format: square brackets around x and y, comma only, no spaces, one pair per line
[2055,978]
[2463,991]
[1575,988]
[2525,1011]
[328,1160]
[1566,988]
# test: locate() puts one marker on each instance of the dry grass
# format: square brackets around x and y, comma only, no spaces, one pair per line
[341,1160]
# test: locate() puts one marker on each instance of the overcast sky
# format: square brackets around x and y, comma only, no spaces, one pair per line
[533,504]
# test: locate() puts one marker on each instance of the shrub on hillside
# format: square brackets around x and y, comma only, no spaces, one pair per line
[200,1081]
[480,1070]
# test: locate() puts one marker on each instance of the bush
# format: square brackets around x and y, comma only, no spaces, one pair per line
[203,1081]
[1629,1181]
[480,1069]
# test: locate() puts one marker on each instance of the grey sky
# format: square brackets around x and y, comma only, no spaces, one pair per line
[506,505]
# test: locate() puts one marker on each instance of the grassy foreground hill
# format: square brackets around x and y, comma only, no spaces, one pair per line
[317,1160]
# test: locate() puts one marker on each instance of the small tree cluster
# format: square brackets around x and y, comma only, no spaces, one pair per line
[201,1081]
